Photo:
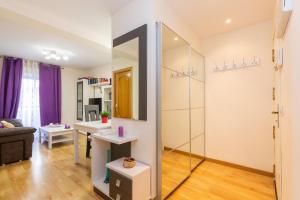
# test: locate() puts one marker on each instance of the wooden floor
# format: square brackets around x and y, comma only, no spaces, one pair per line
[49,175]
[211,181]
[175,168]
[52,175]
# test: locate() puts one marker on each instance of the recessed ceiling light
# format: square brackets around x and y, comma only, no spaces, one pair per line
[228,21]
[45,52]
[57,57]
[52,54]
[175,38]
[65,57]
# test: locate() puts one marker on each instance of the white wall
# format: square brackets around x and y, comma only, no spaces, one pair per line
[135,14]
[290,113]
[238,103]
[68,107]
[103,71]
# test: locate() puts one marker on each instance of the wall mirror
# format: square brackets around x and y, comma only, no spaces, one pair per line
[129,68]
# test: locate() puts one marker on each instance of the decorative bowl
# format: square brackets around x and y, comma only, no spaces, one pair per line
[129,162]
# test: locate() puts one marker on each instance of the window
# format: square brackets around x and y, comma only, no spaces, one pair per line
[29,106]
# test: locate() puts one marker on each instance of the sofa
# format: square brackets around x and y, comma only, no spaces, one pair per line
[15,143]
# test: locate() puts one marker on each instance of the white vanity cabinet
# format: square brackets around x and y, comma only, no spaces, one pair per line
[124,184]
[129,184]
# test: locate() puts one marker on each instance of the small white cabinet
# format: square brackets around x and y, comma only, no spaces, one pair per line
[129,184]
[124,184]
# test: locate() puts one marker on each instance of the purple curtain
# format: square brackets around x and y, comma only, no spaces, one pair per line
[10,87]
[50,94]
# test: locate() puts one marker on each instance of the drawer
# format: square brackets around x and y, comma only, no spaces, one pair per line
[118,184]
[117,194]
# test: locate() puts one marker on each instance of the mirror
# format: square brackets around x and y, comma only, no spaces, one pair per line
[181,108]
[129,68]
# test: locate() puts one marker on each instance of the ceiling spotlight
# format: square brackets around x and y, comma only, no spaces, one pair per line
[175,38]
[228,21]
[45,52]
[52,54]
[57,57]
[65,57]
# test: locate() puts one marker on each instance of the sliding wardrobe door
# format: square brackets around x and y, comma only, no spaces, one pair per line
[197,109]
[175,113]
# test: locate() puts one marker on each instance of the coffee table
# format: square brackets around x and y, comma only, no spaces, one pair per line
[55,135]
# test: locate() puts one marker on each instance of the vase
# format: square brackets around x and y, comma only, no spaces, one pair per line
[104,119]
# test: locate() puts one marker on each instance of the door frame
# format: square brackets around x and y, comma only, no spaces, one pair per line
[276,104]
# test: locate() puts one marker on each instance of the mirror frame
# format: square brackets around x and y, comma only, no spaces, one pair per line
[141,34]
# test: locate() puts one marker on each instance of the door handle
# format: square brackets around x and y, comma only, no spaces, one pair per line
[276,113]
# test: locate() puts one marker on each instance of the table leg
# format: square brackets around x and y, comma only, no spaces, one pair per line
[40,137]
[76,146]
[49,140]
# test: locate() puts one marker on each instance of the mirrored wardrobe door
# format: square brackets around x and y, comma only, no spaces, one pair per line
[197,106]
[175,113]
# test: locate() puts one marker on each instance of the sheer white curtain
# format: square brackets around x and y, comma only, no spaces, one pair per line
[29,106]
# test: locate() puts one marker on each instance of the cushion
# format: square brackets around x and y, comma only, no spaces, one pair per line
[16,131]
[15,122]
[1,125]
[7,124]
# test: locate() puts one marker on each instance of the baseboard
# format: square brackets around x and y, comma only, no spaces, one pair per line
[257,171]
[184,153]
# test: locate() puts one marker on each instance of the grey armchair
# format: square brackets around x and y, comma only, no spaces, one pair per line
[15,143]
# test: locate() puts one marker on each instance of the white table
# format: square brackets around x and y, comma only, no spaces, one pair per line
[55,134]
[91,127]
[101,143]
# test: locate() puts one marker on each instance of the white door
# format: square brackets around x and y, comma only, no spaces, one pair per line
[276,131]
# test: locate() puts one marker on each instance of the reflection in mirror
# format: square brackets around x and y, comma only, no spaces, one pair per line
[129,66]
[126,80]
[176,166]
[182,109]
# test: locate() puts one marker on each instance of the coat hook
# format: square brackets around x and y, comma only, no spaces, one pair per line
[233,64]
[243,64]
[225,66]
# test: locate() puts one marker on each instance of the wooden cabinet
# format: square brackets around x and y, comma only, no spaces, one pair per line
[120,187]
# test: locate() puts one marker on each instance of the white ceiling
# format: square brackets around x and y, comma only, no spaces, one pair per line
[207,17]
[82,28]
[78,28]
[26,38]
[89,19]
